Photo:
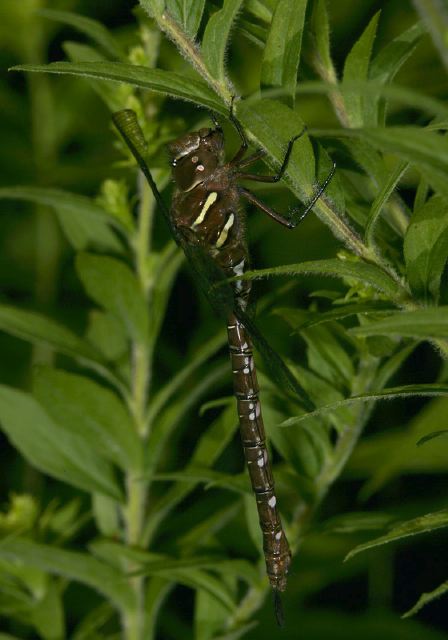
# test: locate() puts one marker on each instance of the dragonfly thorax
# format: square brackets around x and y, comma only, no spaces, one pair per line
[195,157]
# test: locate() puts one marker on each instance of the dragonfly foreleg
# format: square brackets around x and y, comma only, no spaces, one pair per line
[297,214]
[278,176]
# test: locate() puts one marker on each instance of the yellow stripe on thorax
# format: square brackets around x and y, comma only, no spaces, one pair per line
[211,199]
[225,232]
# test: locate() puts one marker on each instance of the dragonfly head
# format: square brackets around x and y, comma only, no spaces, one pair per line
[195,156]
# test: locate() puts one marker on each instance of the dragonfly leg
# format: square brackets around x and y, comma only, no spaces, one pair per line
[277,177]
[258,155]
[244,143]
[297,214]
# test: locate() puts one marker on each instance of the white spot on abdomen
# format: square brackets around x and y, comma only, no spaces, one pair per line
[272,502]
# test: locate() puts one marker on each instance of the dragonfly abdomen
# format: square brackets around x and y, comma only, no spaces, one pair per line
[275,545]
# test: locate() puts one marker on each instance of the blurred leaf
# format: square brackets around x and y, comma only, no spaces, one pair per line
[89,27]
[356,69]
[435,16]
[426,598]
[348,523]
[106,515]
[113,285]
[390,59]
[320,30]
[208,476]
[106,333]
[335,268]
[48,614]
[201,355]
[72,565]
[187,13]
[90,410]
[115,100]
[281,55]
[216,36]
[82,220]
[50,448]
[423,323]
[39,329]
[165,82]
[431,436]
[341,312]
[209,448]
[413,527]
[426,248]
[405,391]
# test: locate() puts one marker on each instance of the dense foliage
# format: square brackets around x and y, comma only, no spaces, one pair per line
[127,510]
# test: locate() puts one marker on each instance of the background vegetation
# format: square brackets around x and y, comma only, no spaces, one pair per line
[126,511]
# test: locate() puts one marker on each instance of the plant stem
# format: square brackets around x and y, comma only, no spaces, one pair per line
[134,512]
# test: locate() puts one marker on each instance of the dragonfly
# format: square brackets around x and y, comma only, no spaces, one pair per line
[207,221]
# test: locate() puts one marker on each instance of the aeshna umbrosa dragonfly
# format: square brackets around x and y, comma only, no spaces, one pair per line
[207,221]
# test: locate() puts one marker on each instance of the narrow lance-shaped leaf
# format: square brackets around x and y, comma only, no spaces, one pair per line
[388,62]
[435,15]
[359,271]
[38,329]
[112,285]
[321,35]
[72,565]
[356,69]
[89,27]
[216,36]
[51,448]
[165,82]
[405,391]
[426,248]
[423,524]
[424,323]
[283,46]
[83,221]
[91,411]
[187,13]
[426,598]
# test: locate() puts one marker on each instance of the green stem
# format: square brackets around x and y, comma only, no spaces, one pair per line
[134,620]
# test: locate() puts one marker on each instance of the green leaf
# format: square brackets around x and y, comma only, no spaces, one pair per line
[216,36]
[388,62]
[90,410]
[320,30]
[426,598]
[82,220]
[169,390]
[91,28]
[413,527]
[106,334]
[209,448]
[115,100]
[424,323]
[353,522]
[435,16]
[405,391]
[51,448]
[165,82]
[48,614]
[381,200]
[112,285]
[426,248]
[106,514]
[39,329]
[431,436]
[211,478]
[281,55]
[187,13]
[343,311]
[72,565]
[356,69]
[335,268]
